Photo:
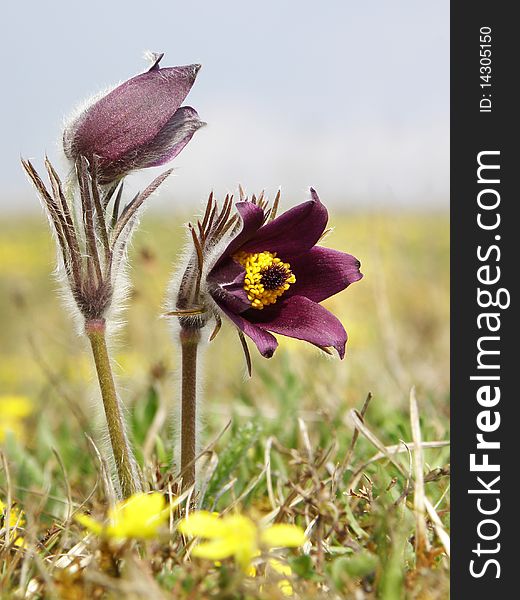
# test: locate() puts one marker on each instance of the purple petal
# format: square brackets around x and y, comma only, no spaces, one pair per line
[265,342]
[130,116]
[301,318]
[293,232]
[229,272]
[172,138]
[323,272]
[252,218]
[226,285]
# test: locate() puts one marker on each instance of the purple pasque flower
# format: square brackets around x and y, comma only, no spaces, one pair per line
[272,276]
[139,124]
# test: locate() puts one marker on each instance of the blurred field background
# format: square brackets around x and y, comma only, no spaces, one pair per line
[397,319]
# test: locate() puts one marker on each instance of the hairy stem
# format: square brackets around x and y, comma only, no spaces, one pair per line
[123,456]
[189,345]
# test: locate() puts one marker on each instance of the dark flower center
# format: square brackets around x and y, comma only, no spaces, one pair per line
[274,276]
[266,277]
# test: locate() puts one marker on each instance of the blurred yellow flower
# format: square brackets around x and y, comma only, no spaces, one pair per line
[282,569]
[13,410]
[16,521]
[139,517]
[237,536]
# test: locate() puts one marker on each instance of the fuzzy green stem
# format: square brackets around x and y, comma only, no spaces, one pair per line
[123,456]
[189,345]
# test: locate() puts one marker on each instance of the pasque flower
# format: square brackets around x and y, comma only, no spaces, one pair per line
[272,276]
[139,124]
[267,275]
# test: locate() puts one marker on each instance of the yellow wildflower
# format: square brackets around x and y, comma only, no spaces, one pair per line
[139,517]
[13,410]
[16,521]
[237,536]
[282,569]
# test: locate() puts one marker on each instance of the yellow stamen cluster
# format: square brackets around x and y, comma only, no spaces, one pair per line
[266,278]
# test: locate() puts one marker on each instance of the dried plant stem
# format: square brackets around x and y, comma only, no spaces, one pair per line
[123,456]
[189,338]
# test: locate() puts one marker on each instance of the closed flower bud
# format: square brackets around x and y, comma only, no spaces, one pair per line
[139,124]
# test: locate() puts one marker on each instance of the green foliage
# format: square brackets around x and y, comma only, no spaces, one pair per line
[242,439]
[303,566]
[345,569]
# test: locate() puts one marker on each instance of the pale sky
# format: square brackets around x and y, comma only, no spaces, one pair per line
[350,97]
